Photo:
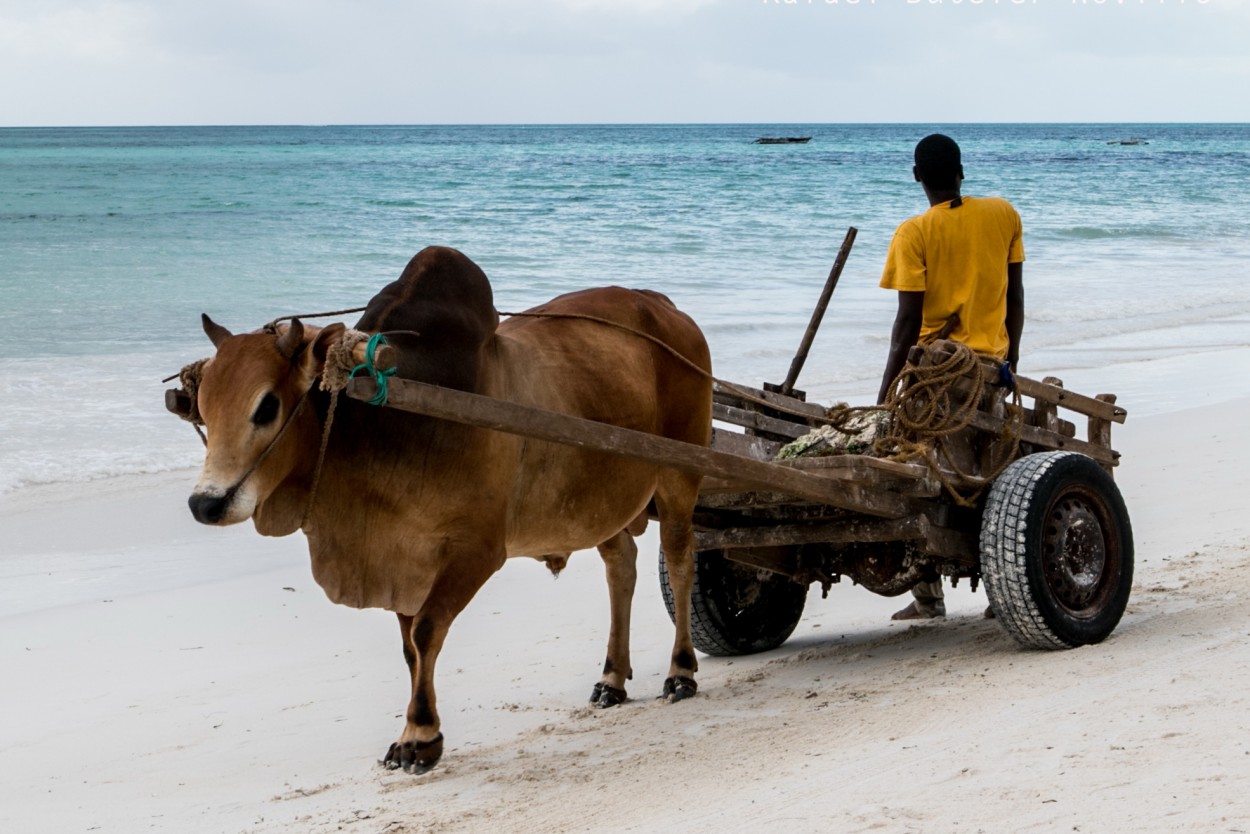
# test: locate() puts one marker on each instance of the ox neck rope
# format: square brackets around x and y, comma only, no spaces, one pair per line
[321,456]
[380,377]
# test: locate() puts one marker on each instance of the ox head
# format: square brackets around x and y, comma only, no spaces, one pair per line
[261,432]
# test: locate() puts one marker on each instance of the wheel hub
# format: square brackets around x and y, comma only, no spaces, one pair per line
[1075,553]
[743,584]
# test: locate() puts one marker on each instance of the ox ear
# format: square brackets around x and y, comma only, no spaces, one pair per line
[291,341]
[312,359]
[215,332]
[328,336]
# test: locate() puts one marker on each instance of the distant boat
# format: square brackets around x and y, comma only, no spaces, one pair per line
[783,140]
[1133,141]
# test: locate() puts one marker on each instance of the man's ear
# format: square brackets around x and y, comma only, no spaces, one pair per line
[915,172]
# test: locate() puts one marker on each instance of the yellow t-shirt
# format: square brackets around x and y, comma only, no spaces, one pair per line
[958,258]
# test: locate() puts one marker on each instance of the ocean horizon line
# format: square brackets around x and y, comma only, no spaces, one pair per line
[583,125]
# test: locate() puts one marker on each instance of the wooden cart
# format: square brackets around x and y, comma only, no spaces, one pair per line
[1049,536]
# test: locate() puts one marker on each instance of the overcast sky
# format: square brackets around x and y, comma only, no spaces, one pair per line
[138,62]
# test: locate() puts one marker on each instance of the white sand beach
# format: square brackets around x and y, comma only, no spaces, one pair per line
[163,676]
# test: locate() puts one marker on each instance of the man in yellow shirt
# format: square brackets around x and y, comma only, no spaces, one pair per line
[958,265]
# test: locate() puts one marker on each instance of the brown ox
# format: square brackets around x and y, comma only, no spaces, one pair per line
[413,514]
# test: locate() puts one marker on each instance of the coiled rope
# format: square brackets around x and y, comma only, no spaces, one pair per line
[926,408]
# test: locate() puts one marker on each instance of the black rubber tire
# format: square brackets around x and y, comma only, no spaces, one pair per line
[735,608]
[1056,551]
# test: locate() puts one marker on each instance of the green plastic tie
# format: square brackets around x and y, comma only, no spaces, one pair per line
[379,377]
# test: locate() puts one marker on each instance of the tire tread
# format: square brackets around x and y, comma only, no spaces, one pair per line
[1005,547]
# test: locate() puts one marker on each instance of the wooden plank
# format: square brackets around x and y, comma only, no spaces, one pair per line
[956,545]
[990,451]
[1045,414]
[1089,406]
[728,396]
[860,463]
[710,485]
[747,445]
[500,415]
[782,560]
[758,545]
[1047,440]
[911,479]
[835,532]
[758,422]
[1100,429]
[726,494]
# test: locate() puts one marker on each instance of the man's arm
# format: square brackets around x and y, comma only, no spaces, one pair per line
[1015,311]
[904,335]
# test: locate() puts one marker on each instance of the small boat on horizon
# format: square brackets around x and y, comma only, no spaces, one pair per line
[783,140]
[1132,141]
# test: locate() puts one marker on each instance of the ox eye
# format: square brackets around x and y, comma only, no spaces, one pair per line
[266,412]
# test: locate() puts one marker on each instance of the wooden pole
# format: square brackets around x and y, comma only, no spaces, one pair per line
[384,358]
[501,415]
[818,314]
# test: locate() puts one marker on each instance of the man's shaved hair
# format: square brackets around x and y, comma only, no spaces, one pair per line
[937,162]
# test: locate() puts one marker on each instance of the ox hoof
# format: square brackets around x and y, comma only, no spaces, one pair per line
[414,756]
[604,696]
[678,688]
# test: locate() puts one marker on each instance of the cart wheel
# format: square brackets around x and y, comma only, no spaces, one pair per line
[1056,551]
[735,608]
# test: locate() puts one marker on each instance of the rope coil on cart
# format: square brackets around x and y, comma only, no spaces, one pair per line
[925,408]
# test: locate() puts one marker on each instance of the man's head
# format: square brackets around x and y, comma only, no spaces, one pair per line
[937,163]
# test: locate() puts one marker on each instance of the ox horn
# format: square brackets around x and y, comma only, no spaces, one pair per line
[216,333]
[290,342]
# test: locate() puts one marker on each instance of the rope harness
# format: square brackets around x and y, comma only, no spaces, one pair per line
[728,386]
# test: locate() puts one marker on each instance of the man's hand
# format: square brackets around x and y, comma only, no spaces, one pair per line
[904,335]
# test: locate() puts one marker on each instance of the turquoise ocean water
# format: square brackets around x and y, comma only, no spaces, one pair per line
[113,240]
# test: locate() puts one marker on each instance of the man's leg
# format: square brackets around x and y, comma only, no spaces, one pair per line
[929,602]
